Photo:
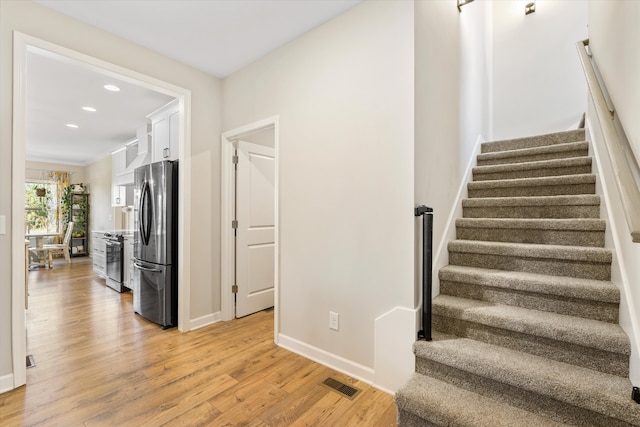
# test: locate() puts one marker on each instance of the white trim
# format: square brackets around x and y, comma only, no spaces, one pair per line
[441,258]
[21,43]
[184,213]
[333,361]
[18,326]
[227,255]
[6,382]
[203,321]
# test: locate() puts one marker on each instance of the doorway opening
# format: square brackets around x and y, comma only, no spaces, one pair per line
[22,44]
[250,232]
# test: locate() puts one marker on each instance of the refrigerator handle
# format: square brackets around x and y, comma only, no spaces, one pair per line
[154,270]
[140,214]
[145,213]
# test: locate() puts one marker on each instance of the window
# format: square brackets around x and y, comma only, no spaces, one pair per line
[41,206]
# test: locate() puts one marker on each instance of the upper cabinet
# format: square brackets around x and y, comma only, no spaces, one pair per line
[165,127]
[155,141]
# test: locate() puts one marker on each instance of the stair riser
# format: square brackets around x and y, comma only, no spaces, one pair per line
[515,396]
[583,270]
[607,362]
[607,312]
[532,157]
[532,142]
[538,190]
[531,173]
[581,211]
[523,235]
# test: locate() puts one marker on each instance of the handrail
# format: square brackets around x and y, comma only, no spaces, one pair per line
[427,266]
[623,160]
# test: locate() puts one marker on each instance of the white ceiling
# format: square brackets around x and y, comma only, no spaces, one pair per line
[215,36]
[58,88]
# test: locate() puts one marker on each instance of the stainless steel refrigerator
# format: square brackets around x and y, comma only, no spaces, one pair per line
[155,248]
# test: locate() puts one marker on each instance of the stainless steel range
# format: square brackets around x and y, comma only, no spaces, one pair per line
[115,261]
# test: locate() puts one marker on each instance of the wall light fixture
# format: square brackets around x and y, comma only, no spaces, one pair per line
[530,8]
[462,3]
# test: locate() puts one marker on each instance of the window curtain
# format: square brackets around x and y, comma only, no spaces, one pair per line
[61,181]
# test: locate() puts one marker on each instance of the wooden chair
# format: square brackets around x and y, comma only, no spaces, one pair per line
[60,247]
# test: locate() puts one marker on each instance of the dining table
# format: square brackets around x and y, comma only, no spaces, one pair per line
[38,249]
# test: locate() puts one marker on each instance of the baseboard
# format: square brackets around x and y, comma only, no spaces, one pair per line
[441,257]
[203,321]
[6,383]
[333,361]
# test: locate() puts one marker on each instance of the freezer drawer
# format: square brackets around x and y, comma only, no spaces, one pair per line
[155,295]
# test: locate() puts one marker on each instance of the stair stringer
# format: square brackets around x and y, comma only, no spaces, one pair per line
[624,265]
[441,252]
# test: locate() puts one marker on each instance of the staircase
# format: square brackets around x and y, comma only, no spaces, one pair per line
[526,324]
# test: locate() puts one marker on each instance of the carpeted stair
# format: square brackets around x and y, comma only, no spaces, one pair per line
[526,324]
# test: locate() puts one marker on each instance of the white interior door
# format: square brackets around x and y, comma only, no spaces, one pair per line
[255,237]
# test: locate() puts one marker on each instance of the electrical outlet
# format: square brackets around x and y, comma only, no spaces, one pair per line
[334,321]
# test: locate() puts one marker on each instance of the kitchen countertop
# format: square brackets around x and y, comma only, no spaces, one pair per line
[125,233]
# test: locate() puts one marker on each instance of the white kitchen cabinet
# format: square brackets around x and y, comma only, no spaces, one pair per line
[122,195]
[165,131]
[118,166]
[99,254]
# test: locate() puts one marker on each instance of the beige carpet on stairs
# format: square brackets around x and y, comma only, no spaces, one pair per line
[526,326]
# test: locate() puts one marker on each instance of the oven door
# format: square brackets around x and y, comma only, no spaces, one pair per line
[114,260]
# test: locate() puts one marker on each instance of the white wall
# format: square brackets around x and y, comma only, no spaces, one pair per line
[537,79]
[43,23]
[344,95]
[101,214]
[476,76]
[614,38]
[457,114]
[438,154]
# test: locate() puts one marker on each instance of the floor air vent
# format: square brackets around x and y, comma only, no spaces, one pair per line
[340,387]
[31,362]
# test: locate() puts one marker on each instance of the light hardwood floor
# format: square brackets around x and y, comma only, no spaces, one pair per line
[99,364]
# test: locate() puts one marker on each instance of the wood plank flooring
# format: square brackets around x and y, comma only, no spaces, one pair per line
[99,364]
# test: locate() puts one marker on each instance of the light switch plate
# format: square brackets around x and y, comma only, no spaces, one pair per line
[3,224]
[334,321]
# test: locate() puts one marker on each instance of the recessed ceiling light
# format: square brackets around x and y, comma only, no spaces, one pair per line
[90,109]
[72,125]
[112,88]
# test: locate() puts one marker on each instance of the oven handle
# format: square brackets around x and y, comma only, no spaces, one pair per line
[153,270]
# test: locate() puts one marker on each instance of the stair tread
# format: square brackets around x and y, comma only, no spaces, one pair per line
[571,287]
[556,148]
[576,330]
[574,135]
[437,401]
[532,250]
[572,200]
[540,164]
[596,391]
[578,224]
[534,182]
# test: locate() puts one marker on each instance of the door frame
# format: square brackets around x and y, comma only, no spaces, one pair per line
[228,255]
[21,43]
